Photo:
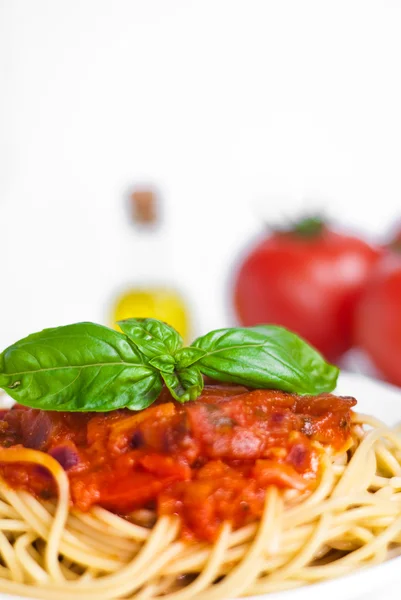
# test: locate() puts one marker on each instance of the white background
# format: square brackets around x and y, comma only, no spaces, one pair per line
[234,109]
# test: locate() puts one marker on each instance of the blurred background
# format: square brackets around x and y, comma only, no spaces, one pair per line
[147,146]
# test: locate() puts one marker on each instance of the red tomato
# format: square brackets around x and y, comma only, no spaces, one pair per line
[308,281]
[378,318]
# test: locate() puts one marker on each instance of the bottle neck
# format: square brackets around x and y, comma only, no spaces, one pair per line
[151,259]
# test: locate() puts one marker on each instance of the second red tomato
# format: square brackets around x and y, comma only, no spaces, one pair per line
[378,318]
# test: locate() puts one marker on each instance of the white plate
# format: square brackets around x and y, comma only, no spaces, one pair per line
[384,402]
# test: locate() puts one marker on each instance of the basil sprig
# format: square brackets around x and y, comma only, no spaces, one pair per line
[88,367]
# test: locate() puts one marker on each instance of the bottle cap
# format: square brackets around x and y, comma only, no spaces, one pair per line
[143,204]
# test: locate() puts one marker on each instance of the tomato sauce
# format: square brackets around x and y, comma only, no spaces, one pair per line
[208,461]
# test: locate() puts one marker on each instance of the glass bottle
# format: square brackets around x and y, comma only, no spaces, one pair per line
[152,292]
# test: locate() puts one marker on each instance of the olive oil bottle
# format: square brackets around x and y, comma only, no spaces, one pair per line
[151,293]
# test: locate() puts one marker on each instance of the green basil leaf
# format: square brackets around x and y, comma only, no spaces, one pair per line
[185,357]
[184,384]
[145,391]
[266,357]
[80,367]
[151,336]
[302,354]
[164,362]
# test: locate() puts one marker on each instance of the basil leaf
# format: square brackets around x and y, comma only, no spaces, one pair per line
[88,367]
[186,357]
[184,384]
[265,358]
[302,354]
[151,336]
[164,362]
[145,391]
[80,367]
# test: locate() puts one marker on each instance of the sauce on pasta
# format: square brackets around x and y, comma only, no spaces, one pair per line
[209,461]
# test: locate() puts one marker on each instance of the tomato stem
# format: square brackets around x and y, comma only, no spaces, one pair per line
[309,227]
[306,228]
[395,245]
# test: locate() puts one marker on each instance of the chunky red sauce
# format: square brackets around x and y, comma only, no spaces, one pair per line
[208,461]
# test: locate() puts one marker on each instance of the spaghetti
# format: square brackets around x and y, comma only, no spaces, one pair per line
[349,519]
